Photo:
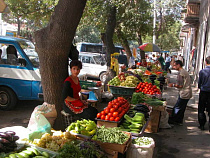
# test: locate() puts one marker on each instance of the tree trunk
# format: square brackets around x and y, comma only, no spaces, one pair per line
[19,23]
[124,42]
[142,53]
[53,45]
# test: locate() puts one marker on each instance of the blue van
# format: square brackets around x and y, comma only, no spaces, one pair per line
[20,78]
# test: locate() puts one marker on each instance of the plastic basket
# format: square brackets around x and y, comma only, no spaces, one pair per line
[122,90]
[67,119]
[87,84]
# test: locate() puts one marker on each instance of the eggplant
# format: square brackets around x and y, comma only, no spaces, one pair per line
[3,141]
[14,138]
[10,132]
[3,135]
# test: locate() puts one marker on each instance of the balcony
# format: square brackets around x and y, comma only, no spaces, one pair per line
[192,15]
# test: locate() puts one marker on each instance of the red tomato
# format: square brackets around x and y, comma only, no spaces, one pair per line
[117,119]
[115,114]
[102,112]
[102,117]
[110,114]
[116,106]
[107,110]
[112,110]
[99,115]
[111,119]
[110,106]
[106,117]
[119,109]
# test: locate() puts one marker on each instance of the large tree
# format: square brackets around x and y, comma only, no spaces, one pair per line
[53,45]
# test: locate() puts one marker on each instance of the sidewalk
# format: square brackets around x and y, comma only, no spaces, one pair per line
[182,141]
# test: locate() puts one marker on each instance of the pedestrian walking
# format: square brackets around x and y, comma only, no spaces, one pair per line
[185,93]
[204,95]
[167,63]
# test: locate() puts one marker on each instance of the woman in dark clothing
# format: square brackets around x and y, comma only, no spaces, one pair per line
[73,105]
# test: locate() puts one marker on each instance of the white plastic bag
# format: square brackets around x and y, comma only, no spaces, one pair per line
[38,125]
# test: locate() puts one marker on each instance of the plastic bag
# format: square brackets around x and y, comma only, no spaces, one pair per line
[164,120]
[48,110]
[38,125]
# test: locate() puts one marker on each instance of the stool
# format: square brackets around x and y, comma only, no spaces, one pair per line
[67,118]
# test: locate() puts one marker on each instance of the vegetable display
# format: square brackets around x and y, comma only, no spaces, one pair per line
[147,88]
[8,141]
[115,110]
[84,127]
[133,124]
[110,135]
[29,152]
[77,149]
[142,141]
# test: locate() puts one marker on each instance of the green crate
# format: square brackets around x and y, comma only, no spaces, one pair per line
[87,84]
[122,90]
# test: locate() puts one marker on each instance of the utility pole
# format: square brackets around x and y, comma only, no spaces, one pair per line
[154,22]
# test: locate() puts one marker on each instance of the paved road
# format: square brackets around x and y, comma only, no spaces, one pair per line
[20,115]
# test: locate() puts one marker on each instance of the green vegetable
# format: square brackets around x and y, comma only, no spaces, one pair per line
[142,141]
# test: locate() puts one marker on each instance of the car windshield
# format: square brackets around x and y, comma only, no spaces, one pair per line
[99,59]
[29,49]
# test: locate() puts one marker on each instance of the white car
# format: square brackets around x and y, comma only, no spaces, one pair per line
[93,64]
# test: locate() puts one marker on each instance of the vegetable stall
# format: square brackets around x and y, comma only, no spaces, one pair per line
[118,129]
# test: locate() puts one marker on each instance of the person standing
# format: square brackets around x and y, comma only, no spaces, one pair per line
[167,61]
[204,95]
[185,93]
[160,59]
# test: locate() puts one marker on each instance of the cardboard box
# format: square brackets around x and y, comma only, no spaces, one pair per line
[107,123]
[116,147]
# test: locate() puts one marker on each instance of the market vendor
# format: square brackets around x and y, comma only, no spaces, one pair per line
[73,105]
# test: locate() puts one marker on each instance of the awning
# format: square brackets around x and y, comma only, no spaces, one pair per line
[3,7]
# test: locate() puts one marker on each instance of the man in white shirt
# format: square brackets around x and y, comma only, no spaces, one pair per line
[167,61]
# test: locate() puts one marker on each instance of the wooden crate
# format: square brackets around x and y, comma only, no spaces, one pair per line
[153,124]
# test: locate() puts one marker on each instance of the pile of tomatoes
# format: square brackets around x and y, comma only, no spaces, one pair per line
[148,88]
[115,110]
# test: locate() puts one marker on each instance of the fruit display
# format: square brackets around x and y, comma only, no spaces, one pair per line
[8,141]
[84,127]
[55,141]
[115,110]
[148,88]
[130,81]
[123,79]
[133,124]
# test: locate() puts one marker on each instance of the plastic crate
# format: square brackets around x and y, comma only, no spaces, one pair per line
[122,90]
[87,84]
[67,118]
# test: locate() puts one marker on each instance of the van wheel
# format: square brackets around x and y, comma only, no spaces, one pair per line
[8,99]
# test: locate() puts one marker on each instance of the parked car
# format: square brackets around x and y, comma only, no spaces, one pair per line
[94,64]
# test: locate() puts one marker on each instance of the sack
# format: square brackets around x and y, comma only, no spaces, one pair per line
[48,110]
[38,125]
[164,120]
[136,151]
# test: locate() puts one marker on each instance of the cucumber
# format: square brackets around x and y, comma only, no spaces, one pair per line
[45,154]
[18,155]
[24,155]
[12,156]
[30,153]
[33,150]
